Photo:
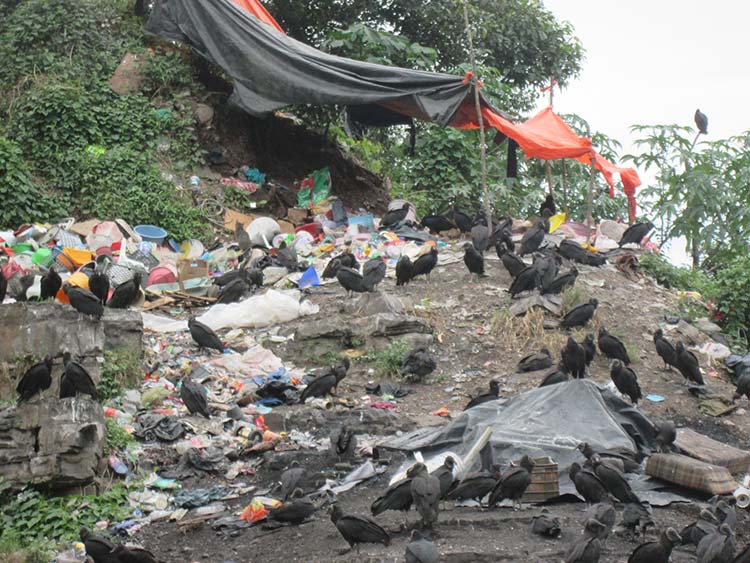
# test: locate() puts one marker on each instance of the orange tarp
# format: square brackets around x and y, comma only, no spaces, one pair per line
[257,9]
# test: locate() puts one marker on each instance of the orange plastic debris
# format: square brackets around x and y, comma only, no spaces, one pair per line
[442,411]
[254,511]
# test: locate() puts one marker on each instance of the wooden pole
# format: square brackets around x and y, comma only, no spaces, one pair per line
[590,200]
[547,164]
[480,119]
[565,186]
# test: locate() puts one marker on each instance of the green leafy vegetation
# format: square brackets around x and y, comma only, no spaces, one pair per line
[674,277]
[728,292]
[22,199]
[15,549]
[120,370]
[30,516]
[117,438]
[388,361]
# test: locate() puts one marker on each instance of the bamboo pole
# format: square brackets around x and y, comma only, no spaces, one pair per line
[547,163]
[480,119]
[590,200]
[565,186]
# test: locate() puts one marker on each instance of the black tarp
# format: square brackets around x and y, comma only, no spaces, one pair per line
[271,70]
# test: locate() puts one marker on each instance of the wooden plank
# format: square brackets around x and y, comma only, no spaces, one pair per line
[161,302]
[711,451]
[186,296]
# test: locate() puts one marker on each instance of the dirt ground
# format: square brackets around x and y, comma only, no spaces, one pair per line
[476,340]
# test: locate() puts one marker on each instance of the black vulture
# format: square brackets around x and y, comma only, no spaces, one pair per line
[126,293]
[502,237]
[573,358]
[291,478]
[589,346]
[327,382]
[437,223]
[195,397]
[461,220]
[548,267]
[37,378]
[665,349]
[534,237]
[493,394]
[561,282]
[636,518]
[19,287]
[743,386]
[358,529]
[666,434]
[204,336]
[396,497]
[549,205]
[511,261]
[241,237]
[571,250]
[587,548]
[613,480]
[134,555]
[725,512]
[83,301]
[605,513]
[351,280]
[626,381]
[417,364]
[332,268]
[425,263]
[50,285]
[580,315]
[99,286]
[634,234]
[252,276]
[474,261]
[287,257]
[701,122]
[475,486]
[545,525]
[404,270]
[233,291]
[656,551]
[343,441]
[373,272]
[420,549]
[76,379]
[559,375]
[295,510]
[425,493]
[394,217]
[480,237]
[687,364]
[718,546]
[444,474]
[536,361]
[628,460]
[706,524]
[612,347]
[3,286]
[99,548]
[513,483]
[527,280]
[588,485]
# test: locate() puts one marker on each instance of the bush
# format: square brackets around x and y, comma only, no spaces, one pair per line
[119,371]
[165,72]
[22,200]
[31,516]
[388,361]
[117,438]
[75,39]
[673,277]
[729,294]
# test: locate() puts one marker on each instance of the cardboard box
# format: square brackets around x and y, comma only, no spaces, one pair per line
[191,269]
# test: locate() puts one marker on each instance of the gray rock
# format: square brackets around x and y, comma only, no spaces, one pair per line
[55,442]
[204,114]
[371,304]
[706,326]
[692,334]
[382,324]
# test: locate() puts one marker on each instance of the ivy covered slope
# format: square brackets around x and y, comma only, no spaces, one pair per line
[68,144]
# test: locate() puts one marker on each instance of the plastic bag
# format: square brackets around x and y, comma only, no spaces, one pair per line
[314,189]
[271,308]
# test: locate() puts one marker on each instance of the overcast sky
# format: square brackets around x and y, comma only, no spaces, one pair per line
[656,61]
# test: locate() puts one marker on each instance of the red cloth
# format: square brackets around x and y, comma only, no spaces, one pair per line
[257,9]
[548,137]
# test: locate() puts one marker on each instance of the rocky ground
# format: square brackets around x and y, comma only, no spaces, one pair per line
[475,340]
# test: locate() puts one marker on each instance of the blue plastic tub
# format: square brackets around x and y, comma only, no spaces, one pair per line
[151,233]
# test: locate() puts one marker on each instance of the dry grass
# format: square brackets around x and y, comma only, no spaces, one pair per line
[571,297]
[526,332]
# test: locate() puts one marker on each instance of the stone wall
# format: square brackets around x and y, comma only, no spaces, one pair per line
[55,442]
